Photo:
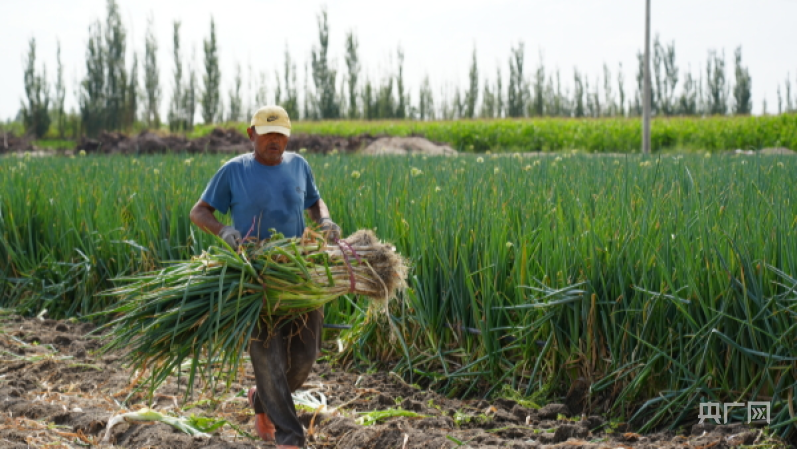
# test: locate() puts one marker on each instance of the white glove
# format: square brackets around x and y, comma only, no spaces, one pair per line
[230,235]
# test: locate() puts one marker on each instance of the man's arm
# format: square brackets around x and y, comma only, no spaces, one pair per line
[202,216]
[318,211]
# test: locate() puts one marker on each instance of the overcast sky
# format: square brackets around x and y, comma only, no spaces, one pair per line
[437,36]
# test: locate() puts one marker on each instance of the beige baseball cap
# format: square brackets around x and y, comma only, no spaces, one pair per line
[271,119]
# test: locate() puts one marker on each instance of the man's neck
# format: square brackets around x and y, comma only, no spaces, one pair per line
[268,163]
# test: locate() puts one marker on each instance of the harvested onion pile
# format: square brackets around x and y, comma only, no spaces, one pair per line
[206,308]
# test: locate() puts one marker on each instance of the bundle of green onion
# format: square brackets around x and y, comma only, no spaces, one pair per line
[206,308]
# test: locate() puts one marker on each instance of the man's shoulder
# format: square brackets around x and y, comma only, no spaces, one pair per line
[241,159]
[237,162]
[293,157]
[289,157]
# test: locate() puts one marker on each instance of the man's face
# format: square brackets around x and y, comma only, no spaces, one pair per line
[268,147]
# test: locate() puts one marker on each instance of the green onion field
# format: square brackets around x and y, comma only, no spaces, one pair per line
[615,134]
[659,282]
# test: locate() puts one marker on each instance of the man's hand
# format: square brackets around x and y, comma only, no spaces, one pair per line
[231,236]
[330,229]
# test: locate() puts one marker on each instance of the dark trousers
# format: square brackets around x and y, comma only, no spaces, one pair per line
[282,360]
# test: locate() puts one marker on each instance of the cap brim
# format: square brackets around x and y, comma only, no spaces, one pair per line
[273,129]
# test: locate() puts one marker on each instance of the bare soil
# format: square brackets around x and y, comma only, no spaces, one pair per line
[11,143]
[56,392]
[230,141]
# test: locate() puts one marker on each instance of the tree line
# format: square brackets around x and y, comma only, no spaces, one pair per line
[111,98]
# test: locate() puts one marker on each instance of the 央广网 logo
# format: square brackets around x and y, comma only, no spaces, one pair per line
[757,411]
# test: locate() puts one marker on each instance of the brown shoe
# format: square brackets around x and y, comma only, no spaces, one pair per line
[264,427]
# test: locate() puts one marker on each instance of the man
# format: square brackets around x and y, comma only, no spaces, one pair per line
[267,189]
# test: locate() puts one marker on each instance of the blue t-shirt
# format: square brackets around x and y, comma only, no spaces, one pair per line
[274,197]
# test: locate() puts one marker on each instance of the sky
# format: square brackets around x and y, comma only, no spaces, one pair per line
[437,37]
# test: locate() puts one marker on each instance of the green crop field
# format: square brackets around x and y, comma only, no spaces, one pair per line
[589,135]
[660,282]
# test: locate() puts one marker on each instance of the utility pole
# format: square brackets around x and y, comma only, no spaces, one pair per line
[646,89]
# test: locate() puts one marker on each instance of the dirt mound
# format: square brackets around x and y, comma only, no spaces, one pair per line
[777,151]
[11,143]
[407,145]
[144,143]
[218,141]
[316,143]
[233,142]
[55,391]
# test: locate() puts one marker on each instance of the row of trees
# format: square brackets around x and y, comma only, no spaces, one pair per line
[110,97]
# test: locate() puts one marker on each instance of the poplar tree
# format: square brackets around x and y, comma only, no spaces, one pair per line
[369,101]
[425,100]
[564,97]
[593,105]
[385,102]
[701,107]
[666,83]
[742,90]
[656,78]
[261,95]
[640,86]
[499,93]
[35,111]
[687,101]
[555,101]
[621,91]
[309,111]
[488,102]
[277,88]
[189,96]
[342,98]
[353,69]
[251,93]
[473,88]
[326,102]
[176,116]
[131,100]
[290,100]
[515,90]
[116,75]
[459,104]
[151,78]
[92,95]
[717,92]
[212,78]
[609,106]
[672,78]
[578,94]
[60,95]
[403,99]
[447,112]
[537,105]
[236,101]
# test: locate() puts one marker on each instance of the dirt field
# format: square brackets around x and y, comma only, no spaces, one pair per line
[56,393]
[228,141]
